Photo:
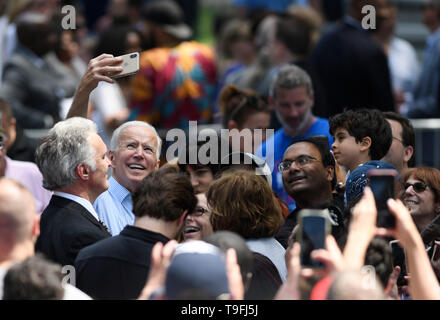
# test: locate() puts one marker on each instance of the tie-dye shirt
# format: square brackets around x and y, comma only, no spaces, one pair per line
[175,85]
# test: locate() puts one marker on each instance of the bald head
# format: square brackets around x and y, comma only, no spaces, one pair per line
[353,285]
[17,212]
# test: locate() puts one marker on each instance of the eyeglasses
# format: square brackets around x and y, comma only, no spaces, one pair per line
[417,187]
[301,161]
[199,211]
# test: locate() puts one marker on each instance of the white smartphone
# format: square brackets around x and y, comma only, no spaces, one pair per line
[130,65]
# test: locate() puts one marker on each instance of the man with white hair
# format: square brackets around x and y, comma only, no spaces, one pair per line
[73,161]
[134,152]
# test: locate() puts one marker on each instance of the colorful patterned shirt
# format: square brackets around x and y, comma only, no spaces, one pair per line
[175,85]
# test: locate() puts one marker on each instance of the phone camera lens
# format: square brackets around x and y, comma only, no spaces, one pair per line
[133,56]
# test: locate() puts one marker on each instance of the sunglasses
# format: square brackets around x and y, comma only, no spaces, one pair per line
[417,187]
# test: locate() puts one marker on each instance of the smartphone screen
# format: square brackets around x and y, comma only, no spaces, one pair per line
[312,237]
[399,260]
[382,186]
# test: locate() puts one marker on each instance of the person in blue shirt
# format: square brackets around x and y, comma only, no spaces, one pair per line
[134,152]
[277,5]
[291,96]
[425,103]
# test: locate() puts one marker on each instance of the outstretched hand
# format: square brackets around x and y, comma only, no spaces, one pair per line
[100,68]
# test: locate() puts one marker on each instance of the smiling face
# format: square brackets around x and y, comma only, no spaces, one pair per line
[312,177]
[198,227]
[421,205]
[136,156]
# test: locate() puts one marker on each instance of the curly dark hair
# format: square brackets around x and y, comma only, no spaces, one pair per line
[363,123]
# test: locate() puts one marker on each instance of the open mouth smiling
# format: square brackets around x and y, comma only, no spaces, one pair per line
[191,229]
[136,167]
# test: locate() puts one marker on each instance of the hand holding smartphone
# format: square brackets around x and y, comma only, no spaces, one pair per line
[314,226]
[382,183]
[130,65]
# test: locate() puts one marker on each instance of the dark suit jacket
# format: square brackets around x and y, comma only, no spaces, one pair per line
[353,70]
[117,268]
[66,228]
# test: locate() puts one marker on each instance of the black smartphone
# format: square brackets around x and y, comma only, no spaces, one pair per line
[314,226]
[399,259]
[383,185]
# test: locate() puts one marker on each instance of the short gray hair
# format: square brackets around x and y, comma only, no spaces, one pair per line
[291,77]
[114,143]
[65,147]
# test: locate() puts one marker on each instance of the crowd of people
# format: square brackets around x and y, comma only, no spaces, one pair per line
[298,106]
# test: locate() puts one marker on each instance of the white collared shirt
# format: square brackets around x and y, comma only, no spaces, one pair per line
[85,203]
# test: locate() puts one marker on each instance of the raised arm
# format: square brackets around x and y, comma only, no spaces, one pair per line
[423,282]
[361,231]
[98,69]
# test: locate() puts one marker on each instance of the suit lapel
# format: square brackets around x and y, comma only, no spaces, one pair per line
[74,206]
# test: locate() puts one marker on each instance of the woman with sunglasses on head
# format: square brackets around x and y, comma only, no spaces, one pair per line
[421,195]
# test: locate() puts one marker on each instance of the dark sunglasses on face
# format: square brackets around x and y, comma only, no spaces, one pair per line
[417,187]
